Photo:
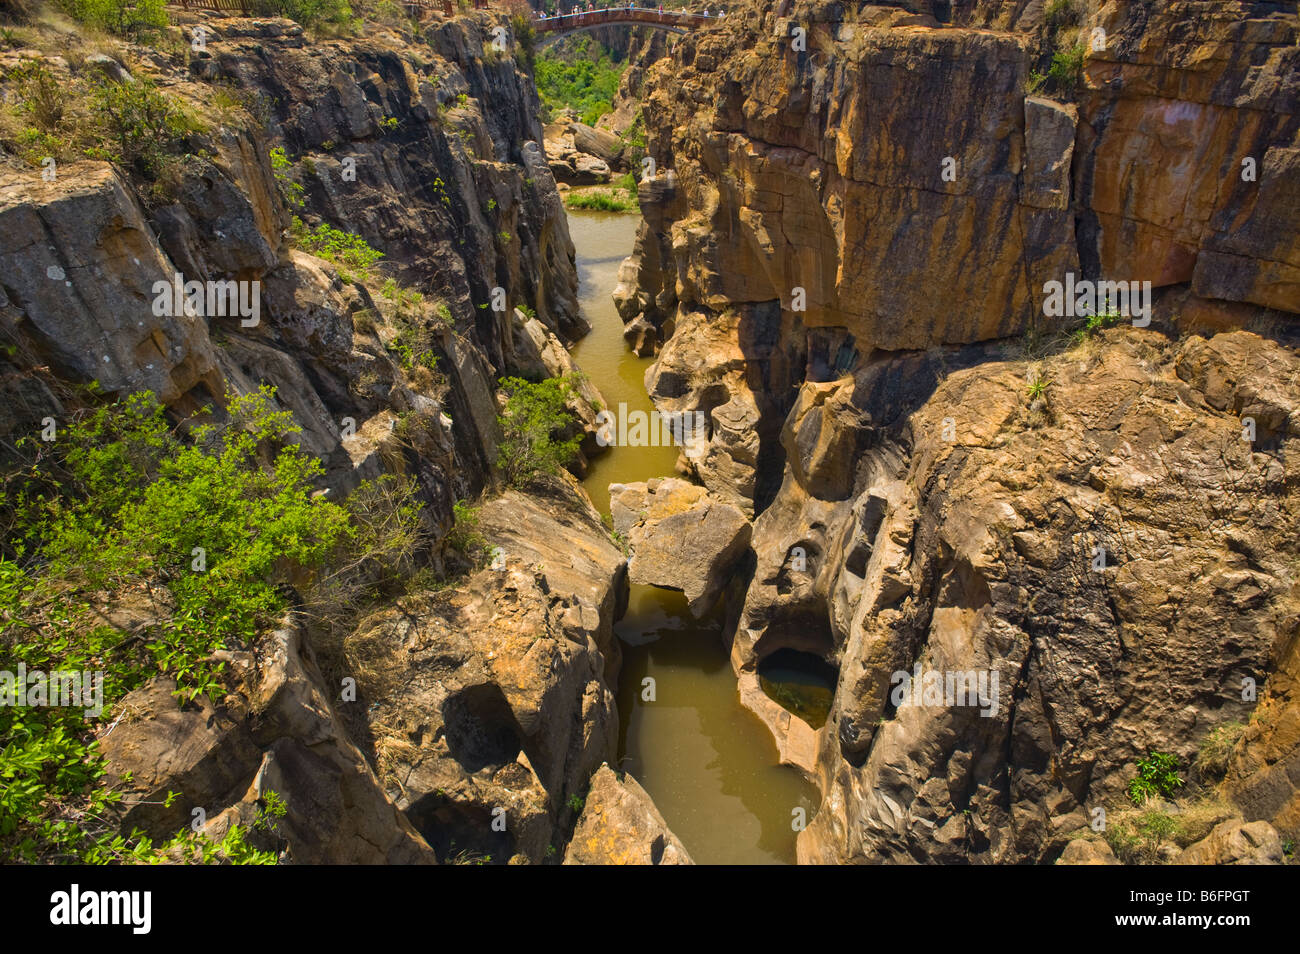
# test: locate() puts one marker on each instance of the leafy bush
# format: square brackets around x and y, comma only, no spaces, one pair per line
[1157,778]
[145,125]
[464,536]
[334,245]
[1066,72]
[120,16]
[291,190]
[120,503]
[534,416]
[41,96]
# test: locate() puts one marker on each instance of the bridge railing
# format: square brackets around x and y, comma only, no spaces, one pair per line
[221,6]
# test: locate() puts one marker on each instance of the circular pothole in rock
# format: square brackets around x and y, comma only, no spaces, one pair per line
[800,683]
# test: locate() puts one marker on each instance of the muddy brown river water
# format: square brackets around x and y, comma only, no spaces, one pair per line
[709,764]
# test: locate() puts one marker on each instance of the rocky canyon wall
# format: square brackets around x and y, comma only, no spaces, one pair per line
[843,263]
[428,148]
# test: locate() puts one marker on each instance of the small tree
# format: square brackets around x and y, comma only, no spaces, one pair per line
[534,416]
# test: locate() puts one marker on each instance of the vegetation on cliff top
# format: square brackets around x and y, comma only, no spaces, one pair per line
[90,115]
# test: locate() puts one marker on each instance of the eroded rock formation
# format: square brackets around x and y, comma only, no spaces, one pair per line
[846,272]
[494,696]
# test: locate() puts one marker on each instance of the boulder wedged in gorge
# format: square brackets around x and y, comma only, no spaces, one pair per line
[580,155]
[620,825]
[490,701]
[681,537]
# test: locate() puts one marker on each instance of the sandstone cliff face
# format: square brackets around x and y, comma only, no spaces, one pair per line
[886,178]
[865,332]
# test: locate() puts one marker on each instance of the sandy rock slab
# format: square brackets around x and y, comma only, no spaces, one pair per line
[682,537]
[620,825]
[1236,842]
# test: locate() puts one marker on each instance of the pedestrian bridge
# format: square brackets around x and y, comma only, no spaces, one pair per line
[552,28]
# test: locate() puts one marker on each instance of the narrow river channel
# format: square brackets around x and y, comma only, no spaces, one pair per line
[709,764]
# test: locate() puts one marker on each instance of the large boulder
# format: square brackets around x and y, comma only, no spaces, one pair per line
[681,537]
[597,142]
[620,825]
[1236,842]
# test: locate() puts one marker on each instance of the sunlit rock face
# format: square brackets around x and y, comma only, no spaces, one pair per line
[846,271]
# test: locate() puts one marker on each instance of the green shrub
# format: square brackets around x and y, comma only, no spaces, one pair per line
[334,245]
[464,536]
[143,123]
[120,503]
[41,96]
[1066,71]
[120,16]
[291,190]
[1157,778]
[534,416]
